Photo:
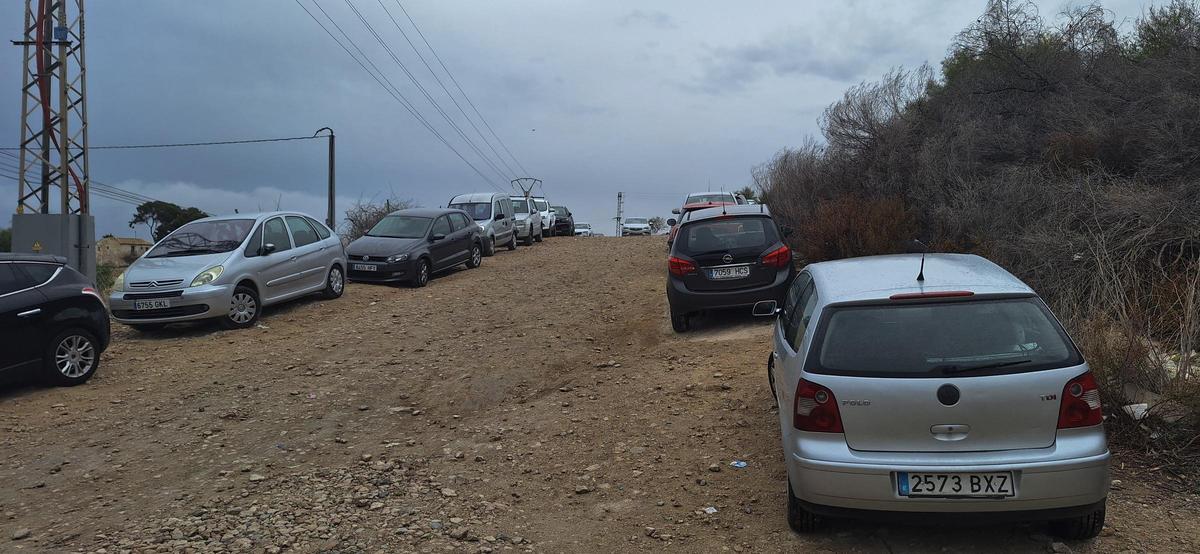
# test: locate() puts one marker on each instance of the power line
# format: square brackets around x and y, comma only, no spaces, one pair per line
[459,87]
[391,90]
[183,144]
[511,173]
[437,107]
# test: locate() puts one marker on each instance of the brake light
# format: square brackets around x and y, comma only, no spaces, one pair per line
[680,267]
[780,257]
[1080,403]
[816,409]
[938,294]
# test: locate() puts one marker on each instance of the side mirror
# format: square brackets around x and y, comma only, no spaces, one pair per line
[267,248]
[766,308]
[437,236]
[675,211]
[671,222]
[500,216]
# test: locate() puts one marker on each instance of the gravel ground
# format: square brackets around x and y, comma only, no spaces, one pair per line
[540,403]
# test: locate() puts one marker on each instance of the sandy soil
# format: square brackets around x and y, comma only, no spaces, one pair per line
[538,403]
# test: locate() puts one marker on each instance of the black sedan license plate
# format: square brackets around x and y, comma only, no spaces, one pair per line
[955,484]
[364,267]
[722,273]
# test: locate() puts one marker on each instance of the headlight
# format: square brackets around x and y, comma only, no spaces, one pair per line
[119,282]
[209,275]
[397,258]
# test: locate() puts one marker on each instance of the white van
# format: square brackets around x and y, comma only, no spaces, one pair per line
[493,212]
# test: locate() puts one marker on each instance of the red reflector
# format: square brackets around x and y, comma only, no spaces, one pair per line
[816,409]
[1080,403]
[680,267]
[941,294]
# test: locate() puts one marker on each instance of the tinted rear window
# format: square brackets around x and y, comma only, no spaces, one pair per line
[727,234]
[977,337]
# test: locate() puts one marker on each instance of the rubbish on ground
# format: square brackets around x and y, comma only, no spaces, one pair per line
[738,464]
[1137,411]
[710,510]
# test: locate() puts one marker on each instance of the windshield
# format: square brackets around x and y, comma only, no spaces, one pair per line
[582,226]
[704,198]
[203,237]
[478,211]
[931,340]
[722,235]
[636,220]
[400,227]
[520,206]
[542,205]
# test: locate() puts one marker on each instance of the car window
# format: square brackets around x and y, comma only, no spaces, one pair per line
[302,233]
[793,296]
[38,274]
[8,279]
[322,230]
[520,206]
[441,226]
[275,232]
[542,205]
[203,237]
[255,243]
[934,339]
[734,233]
[460,221]
[479,211]
[798,322]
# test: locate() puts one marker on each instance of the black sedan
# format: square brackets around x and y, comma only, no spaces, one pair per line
[411,245]
[53,324]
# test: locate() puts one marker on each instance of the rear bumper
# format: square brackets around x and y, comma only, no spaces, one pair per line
[1055,487]
[967,518]
[684,300]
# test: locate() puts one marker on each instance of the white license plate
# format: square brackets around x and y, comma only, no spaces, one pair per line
[955,484]
[364,267]
[154,304]
[720,273]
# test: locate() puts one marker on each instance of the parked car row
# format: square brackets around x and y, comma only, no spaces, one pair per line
[909,387]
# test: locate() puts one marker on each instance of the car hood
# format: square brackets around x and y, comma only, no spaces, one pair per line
[380,246]
[182,268]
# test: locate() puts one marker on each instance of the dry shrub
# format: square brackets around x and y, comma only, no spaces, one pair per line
[850,226]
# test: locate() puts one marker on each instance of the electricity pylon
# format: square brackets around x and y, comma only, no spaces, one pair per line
[54,144]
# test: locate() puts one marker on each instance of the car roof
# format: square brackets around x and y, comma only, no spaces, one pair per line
[31,257]
[257,216]
[721,192]
[475,197]
[879,277]
[425,212]
[726,210]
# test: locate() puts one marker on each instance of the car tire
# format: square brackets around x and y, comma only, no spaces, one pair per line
[424,270]
[490,248]
[1084,527]
[528,240]
[538,238]
[476,256]
[244,309]
[71,358]
[512,244]
[335,283]
[800,520]
[680,322]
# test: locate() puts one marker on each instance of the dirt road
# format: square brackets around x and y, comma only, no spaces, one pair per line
[538,403]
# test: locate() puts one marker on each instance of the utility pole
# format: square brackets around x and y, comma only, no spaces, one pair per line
[330,217]
[54,136]
[526,185]
[620,211]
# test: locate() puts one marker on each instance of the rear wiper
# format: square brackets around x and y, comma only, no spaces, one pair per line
[952,369]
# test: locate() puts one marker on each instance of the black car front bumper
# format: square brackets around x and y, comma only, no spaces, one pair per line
[684,300]
[384,272]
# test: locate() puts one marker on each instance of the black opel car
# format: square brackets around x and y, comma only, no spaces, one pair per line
[726,257]
[53,324]
[411,245]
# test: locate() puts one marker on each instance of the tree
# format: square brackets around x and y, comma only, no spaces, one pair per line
[5,240]
[748,193]
[657,224]
[364,214]
[164,217]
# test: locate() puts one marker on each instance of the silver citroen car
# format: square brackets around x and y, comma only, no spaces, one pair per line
[932,389]
[229,268]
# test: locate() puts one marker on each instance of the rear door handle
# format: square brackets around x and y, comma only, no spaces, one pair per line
[30,313]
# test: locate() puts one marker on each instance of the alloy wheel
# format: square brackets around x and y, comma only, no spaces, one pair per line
[476,256]
[75,356]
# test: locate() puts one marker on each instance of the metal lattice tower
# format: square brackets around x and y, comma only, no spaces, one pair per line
[54,147]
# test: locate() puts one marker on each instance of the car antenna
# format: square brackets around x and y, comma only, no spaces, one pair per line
[921,273]
[723,212]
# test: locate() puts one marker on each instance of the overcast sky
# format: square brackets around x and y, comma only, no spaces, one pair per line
[655,99]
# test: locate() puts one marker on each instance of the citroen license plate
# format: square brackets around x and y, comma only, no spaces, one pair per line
[152,304]
[723,273]
[955,484]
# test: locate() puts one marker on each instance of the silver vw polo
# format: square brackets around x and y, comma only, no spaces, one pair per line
[229,268]
[933,389]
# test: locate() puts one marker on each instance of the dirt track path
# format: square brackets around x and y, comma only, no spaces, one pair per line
[557,413]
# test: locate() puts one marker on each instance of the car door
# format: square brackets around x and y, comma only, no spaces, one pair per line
[786,358]
[504,227]
[441,250]
[308,249]
[464,234]
[22,327]
[278,273]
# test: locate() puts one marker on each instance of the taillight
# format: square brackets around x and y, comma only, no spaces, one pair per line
[816,409]
[1080,403]
[780,257]
[680,267]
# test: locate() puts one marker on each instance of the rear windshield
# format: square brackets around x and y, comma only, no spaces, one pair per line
[636,220]
[705,198]
[400,227]
[726,235]
[203,237]
[977,337]
[478,211]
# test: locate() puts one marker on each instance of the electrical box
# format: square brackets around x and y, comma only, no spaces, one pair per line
[70,236]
